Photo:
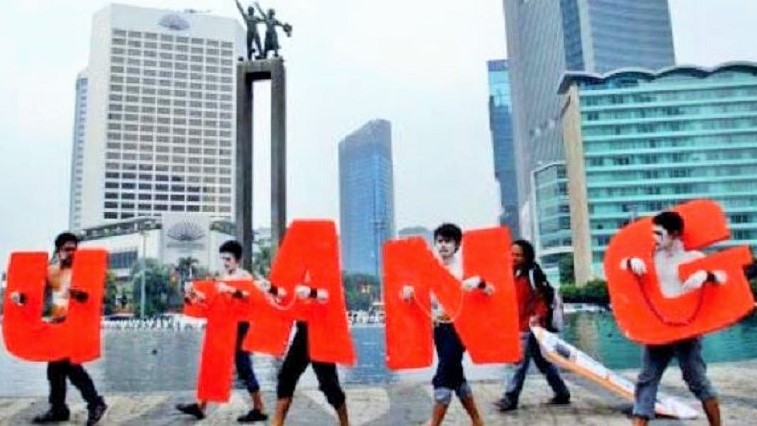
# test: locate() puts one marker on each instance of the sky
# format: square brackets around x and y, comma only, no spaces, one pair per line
[420,64]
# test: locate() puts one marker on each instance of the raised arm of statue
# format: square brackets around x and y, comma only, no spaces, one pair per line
[241,10]
[260,9]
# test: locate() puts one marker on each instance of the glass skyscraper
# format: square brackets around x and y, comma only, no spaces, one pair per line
[366,196]
[547,38]
[501,125]
[77,155]
[638,142]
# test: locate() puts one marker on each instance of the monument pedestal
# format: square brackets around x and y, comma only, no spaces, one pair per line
[248,73]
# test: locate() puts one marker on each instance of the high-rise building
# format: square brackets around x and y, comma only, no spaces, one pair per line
[418,232]
[160,116]
[547,38]
[638,142]
[366,196]
[501,126]
[77,155]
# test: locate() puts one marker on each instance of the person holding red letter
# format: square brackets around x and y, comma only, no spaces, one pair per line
[669,254]
[535,295]
[297,360]
[231,254]
[59,284]
[450,377]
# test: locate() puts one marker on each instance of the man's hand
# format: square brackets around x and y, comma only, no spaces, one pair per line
[302,291]
[263,284]
[488,289]
[18,298]
[472,283]
[534,321]
[635,265]
[322,295]
[407,292]
[695,280]
[222,287]
[718,277]
[194,296]
[699,278]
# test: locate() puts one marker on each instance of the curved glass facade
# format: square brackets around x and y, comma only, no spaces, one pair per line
[654,141]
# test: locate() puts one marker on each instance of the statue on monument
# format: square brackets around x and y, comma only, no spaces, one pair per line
[253,37]
[271,37]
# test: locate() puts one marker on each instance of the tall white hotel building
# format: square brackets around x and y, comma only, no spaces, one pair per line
[155,116]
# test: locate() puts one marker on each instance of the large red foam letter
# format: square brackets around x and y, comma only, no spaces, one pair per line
[308,255]
[223,312]
[644,314]
[77,337]
[487,324]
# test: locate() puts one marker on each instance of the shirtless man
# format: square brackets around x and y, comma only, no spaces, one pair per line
[669,254]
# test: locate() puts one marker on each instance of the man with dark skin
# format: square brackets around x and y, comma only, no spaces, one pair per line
[59,284]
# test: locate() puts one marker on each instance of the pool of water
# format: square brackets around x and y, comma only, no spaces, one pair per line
[162,360]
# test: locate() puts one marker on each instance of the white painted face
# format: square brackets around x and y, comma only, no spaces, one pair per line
[445,247]
[230,263]
[662,238]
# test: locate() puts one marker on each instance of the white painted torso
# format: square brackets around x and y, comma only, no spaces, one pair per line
[666,264]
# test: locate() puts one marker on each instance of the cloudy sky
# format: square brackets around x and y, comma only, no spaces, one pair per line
[420,64]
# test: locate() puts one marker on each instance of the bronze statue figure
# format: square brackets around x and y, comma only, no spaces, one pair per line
[271,37]
[253,37]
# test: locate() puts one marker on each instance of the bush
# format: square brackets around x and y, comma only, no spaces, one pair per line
[594,291]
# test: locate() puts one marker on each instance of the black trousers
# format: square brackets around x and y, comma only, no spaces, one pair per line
[58,372]
[450,350]
[295,363]
[243,362]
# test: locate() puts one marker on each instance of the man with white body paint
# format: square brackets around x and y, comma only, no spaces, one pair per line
[669,254]
[450,377]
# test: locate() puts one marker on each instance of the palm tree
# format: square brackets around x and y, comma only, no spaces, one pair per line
[261,260]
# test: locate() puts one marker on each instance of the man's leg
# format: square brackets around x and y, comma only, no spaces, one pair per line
[689,354]
[295,363]
[514,386]
[465,393]
[96,406]
[247,375]
[56,375]
[654,361]
[449,371]
[328,383]
[562,395]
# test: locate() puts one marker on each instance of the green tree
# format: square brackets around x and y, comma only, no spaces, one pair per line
[262,260]
[187,269]
[157,286]
[361,290]
[110,296]
[594,291]
[565,266]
